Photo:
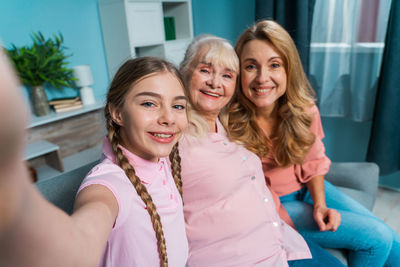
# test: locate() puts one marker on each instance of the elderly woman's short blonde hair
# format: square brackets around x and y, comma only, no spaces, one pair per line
[211,49]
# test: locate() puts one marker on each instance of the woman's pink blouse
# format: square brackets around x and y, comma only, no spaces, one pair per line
[287,180]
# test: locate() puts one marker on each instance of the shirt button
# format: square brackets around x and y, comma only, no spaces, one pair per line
[253,177]
[265,200]
[275,224]
[282,247]
[225,143]
[244,158]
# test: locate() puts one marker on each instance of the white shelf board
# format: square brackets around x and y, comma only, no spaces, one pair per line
[39,148]
[70,163]
[53,116]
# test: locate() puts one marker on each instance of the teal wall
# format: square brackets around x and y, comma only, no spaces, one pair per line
[77,20]
[224,18]
[346,140]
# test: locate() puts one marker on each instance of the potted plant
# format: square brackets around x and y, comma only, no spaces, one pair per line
[44,62]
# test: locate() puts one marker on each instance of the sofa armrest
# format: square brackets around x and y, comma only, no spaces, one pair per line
[61,190]
[356,176]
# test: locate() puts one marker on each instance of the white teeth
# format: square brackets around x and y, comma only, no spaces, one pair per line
[162,135]
[262,90]
[211,94]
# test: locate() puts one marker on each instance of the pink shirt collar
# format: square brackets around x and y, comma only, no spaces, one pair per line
[147,167]
[220,135]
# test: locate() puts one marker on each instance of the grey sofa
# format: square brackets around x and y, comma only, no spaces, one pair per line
[61,190]
[359,180]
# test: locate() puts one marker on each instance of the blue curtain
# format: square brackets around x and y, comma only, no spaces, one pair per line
[384,146]
[295,16]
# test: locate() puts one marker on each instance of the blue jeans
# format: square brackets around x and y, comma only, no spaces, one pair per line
[320,258]
[369,240]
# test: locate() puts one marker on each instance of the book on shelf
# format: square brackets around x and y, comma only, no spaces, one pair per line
[66,104]
[68,100]
[65,108]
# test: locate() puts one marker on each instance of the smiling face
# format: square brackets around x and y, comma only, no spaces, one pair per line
[263,75]
[211,88]
[153,116]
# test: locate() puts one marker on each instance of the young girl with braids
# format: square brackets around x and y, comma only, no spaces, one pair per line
[128,211]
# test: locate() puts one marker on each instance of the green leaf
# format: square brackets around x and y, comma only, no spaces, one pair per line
[43,61]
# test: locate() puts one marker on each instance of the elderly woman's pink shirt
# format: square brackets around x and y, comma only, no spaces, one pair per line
[230,214]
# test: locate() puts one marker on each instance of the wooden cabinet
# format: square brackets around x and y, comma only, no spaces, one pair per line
[65,141]
[134,28]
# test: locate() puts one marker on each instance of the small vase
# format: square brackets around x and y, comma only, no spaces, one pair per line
[39,101]
[87,96]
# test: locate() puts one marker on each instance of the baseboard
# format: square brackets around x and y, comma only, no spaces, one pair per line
[391,181]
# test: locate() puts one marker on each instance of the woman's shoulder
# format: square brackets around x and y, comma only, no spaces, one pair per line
[312,108]
[316,124]
[313,111]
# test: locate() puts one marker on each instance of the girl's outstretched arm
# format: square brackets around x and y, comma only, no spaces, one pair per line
[33,232]
[37,233]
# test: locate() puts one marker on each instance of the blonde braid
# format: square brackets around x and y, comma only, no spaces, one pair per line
[122,161]
[175,159]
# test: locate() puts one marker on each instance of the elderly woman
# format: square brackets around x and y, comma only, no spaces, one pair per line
[230,215]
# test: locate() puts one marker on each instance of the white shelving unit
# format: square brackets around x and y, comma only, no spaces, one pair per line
[135,28]
[49,150]
[54,142]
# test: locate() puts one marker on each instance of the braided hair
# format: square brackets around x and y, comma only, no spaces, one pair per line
[175,159]
[130,73]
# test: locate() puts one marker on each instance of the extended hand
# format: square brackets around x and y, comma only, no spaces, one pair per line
[327,219]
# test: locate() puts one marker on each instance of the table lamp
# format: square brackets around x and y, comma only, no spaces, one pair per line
[84,80]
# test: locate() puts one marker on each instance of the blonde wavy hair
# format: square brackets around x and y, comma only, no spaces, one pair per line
[211,49]
[293,137]
[129,74]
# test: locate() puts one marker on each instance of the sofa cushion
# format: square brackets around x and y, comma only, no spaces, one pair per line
[61,190]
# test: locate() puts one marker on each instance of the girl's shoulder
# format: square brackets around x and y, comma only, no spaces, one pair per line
[105,167]
[112,177]
[106,173]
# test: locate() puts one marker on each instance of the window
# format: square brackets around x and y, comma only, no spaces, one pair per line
[347,43]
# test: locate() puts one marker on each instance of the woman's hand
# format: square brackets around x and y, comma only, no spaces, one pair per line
[326,219]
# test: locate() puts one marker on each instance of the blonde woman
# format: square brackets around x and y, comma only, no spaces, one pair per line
[274,115]
[230,214]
